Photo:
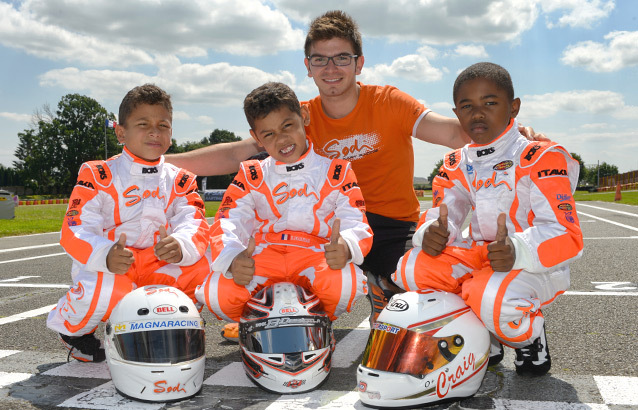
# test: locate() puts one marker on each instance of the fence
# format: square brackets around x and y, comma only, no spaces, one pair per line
[627,181]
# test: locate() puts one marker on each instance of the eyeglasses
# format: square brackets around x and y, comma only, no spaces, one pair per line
[338,60]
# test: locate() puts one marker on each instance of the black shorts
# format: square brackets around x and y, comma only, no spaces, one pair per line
[392,238]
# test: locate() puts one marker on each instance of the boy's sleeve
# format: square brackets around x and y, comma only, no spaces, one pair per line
[448,187]
[555,238]
[234,223]
[350,209]
[188,219]
[82,230]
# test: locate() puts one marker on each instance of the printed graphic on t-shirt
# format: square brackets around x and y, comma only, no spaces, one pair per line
[353,147]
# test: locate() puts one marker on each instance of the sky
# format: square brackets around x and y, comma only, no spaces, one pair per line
[574,63]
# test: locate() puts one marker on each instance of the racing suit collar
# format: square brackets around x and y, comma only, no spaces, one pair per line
[481,152]
[139,166]
[284,168]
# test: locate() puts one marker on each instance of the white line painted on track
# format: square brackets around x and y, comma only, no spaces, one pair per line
[348,349]
[106,397]
[5,353]
[577,293]
[81,370]
[26,315]
[618,390]
[232,375]
[18,278]
[7,379]
[318,399]
[606,238]
[33,257]
[633,228]
[33,285]
[505,404]
[24,248]
[608,209]
[31,234]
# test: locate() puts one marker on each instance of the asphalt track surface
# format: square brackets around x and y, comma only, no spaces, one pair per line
[592,333]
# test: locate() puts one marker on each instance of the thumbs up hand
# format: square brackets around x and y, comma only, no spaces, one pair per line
[337,252]
[168,248]
[243,266]
[501,252]
[436,236]
[119,259]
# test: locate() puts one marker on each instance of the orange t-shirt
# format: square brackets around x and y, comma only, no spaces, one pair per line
[376,137]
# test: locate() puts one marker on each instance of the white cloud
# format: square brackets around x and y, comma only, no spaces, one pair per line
[414,67]
[471,50]
[620,51]
[219,84]
[578,13]
[431,21]
[578,101]
[15,117]
[185,28]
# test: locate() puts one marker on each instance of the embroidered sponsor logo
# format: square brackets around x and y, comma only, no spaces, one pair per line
[164,309]
[296,167]
[135,199]
[551,172]
[183,180]
[531,152]
[72,213]
[486,151]
[101,171]
[239,184]
[443,174]
[398,305]
[153,170]
[281,193]
[253,172]
[352,148]
[349,186]
[452,158]
[85,184]
[75,203]
[490,182]
[565,206]
[502,166]
[569,217]
[469,168]
[563,197]
[337,173]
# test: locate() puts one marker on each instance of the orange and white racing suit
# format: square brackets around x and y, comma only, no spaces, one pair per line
[127,195]
[289,209]
[532,183]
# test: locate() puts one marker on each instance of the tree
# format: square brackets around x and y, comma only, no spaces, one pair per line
[50,154]
[582,176]
[602,170]
[218,137]
[435,171]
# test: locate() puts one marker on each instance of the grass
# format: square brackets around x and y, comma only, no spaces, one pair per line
[31,219]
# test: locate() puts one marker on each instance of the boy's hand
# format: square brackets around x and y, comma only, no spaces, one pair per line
[337,252]
[436,236]
[119,259]
[528,132]
[243,266]
[501,252]
[168,248]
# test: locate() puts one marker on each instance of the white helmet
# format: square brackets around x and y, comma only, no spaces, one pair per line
[155,345]
[286,339]
[426,346]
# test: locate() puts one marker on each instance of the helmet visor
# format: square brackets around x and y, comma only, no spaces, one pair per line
[398,350]
[259,337]
[161,346]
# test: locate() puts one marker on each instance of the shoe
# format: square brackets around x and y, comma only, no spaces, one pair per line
[380,290]
[533,359]
[85,348]
[496,351]
[230,332]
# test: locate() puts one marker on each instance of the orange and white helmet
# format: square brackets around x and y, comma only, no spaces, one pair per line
[426,346]
[154,342]
[286,339]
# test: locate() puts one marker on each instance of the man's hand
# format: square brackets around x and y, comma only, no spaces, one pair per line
[243,266]
[119,259]
[501,252]
[528,132]
[168,248]
[336,252]
[436,236]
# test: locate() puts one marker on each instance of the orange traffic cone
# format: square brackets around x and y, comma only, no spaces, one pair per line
[618,196]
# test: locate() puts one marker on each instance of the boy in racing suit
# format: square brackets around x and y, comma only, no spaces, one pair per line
[295,216]
[132,220]
[524,230]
